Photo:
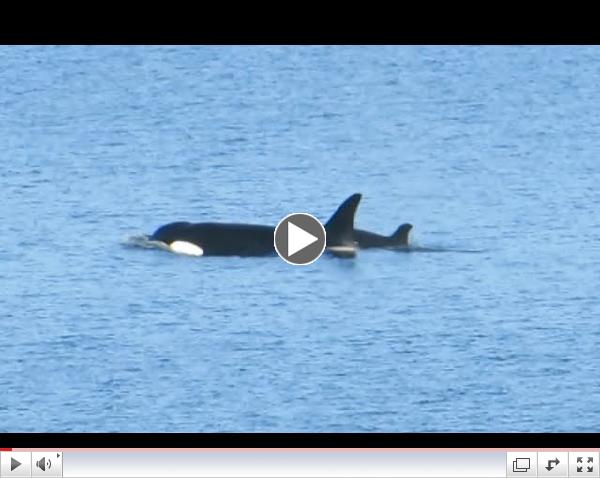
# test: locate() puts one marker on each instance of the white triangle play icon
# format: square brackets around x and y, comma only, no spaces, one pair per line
[298,239]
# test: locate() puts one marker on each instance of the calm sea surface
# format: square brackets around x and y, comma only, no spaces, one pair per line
[494,149]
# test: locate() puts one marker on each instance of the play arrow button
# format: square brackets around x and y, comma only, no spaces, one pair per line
[14,464]
[299,239]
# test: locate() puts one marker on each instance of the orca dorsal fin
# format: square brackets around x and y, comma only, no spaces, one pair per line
[340,227]
[400,237]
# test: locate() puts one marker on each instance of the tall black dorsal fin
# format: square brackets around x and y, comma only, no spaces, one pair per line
[400,237]
[340,227]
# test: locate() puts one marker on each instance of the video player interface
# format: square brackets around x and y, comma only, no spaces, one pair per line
[296,463]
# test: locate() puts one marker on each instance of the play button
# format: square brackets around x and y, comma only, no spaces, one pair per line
[299,239]
[15,463]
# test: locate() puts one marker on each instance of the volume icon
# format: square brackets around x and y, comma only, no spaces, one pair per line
[43,463]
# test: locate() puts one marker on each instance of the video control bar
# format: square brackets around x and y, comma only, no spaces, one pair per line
[297,463]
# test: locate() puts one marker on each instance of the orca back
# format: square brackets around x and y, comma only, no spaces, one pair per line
[367,239]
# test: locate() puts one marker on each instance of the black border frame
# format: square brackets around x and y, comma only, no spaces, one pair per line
[300,440]
[301,24]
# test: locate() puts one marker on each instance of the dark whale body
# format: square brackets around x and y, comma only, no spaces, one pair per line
[399,239]
[231,239]
[219,239]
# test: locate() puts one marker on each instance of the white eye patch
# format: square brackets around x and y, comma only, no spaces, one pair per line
[183,247]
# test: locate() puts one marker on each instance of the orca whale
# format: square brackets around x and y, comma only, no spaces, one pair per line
[245,240]
[399,239]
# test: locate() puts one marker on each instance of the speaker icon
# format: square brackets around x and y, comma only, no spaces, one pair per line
[43,463]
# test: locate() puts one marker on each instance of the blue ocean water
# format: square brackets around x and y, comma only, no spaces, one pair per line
[487,148]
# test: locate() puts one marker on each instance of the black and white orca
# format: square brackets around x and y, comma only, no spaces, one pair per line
[230,239]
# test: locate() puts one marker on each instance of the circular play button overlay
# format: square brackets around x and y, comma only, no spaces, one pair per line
[299,239]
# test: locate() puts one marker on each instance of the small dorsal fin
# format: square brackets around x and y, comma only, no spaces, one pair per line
[400,237]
